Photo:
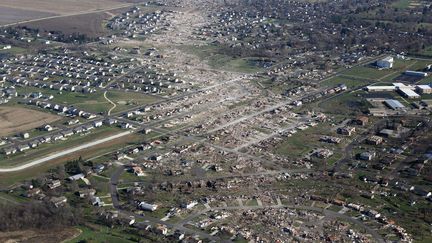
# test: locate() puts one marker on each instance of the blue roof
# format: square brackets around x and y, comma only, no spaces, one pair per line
[395,104]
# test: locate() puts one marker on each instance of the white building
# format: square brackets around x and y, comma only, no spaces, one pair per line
[408,93]
[385,63]
[147,206]
[416,73]
[424,89]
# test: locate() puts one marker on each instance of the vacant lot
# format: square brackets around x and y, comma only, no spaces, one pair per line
[16,119]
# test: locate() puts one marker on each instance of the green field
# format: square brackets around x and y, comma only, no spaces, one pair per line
[215,59]
[94,102]
[101,234]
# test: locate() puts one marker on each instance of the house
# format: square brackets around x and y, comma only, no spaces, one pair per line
[366,155]
[374,140]
[96,201]
[161,229]
[23,147]
[25,135]
[147,206]
[87,127]
[110,121]
[323,153]
[58,201]
[138,171]
[98,168]
[33,144]
[125,125]
[360,120]
[156,157]
[125,219]
[57,137]
[47,128]
[76,177]
[54,184]
[9,151]
[346,130]
[86,193]
[97,123]
[32,192]
[386,62]
[67,133]
[189,205]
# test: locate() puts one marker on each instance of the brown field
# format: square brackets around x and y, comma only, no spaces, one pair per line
[61,7]
[12,15]
[90,24]
[16,119]
[39,236]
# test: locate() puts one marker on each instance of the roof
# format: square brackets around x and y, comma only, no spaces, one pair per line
[424,86]
[409,92]
[381,87]
[388,59]
[395,104]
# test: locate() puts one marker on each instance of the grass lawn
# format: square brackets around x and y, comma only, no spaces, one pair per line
[216,60]
[94,102]
[101,234]
[402,4]
[350,83]
[370,72]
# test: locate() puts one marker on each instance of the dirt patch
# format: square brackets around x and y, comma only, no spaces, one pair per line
[54,236]
[16,119]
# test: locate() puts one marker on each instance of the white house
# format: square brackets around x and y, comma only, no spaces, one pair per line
[385,63]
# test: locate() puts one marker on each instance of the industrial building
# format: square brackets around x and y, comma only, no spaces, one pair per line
[424,89]
[394,104]
[416,73]
[380,88]
[408,93]
[385,63]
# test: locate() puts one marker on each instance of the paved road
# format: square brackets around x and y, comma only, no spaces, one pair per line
[63,153]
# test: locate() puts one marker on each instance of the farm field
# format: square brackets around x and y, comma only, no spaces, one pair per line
[16,119]
[79,15]
[62,6]
[11,15]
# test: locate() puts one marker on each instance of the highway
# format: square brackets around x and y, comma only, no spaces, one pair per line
[63,153]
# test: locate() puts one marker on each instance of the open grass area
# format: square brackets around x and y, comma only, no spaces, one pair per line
[101,234]
[373,73]
[350,83]
[303,142]
[215,59]
[94,102]
[349,103]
